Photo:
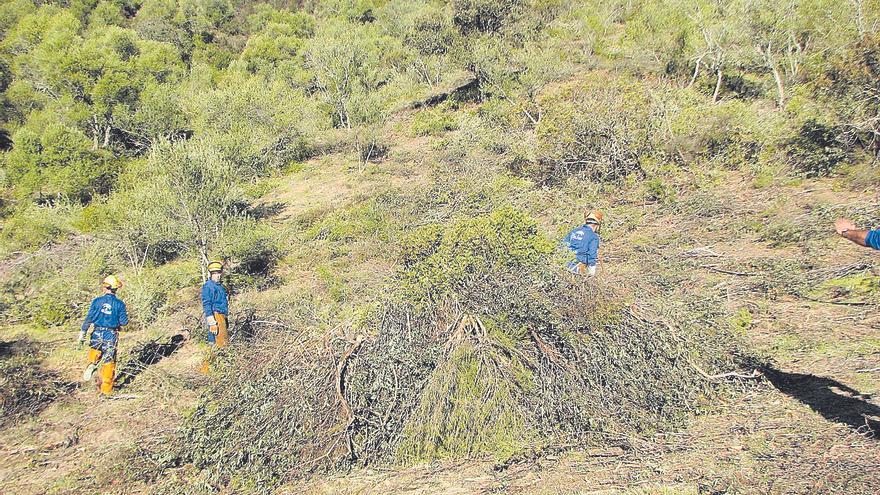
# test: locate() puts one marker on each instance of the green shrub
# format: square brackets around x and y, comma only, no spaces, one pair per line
[487,16]
[368,219]
[434,121]
[148,293]
[731,132]
[32,226]
[251,251]
[815,149]
[506,238]
[600,128]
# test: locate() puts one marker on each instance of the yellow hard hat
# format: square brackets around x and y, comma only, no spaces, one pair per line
[594,217]
[112,282]
[215,266]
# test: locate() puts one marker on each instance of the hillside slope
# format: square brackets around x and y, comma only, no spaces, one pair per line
[386,183]
[803,428]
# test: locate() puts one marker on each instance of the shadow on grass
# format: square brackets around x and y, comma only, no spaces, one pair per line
[830,398]
[145,355]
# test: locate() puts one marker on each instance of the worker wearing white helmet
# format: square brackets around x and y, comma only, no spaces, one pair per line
[107,314]
[215,305]
[583,242]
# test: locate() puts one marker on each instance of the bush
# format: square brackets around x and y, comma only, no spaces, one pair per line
[32,226]
[52,161]
[815,150]
[730,132]
[251,251]
[600,129]
[365,220]
[64,282]
[487,16]
[434,122]
[257,124]
[147,293]
[431,34]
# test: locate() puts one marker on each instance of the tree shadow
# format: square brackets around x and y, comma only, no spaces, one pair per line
[263,211]
[144,355]
[833,400]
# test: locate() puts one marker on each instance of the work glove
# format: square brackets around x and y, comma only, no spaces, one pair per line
[591,271]
[212,324]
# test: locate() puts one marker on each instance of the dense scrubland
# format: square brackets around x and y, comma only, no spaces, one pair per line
[387,182]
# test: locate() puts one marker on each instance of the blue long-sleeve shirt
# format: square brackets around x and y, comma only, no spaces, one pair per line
[107,311]
[584,243]
[214,299]
[872,240]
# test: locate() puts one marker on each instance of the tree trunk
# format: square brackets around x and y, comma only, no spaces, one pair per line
[779,87]
[96,131]
[696,72]
[203,252]
[717,87]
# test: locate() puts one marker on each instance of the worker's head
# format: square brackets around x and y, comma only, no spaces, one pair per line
[593,218]
[111,284]
[215,269]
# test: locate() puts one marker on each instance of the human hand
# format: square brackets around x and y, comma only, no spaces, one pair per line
[212,322]
[842,225]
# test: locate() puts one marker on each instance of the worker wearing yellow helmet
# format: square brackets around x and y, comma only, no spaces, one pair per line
[215,305]
[584,241]
[107,314]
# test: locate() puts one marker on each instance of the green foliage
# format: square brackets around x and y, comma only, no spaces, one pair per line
[251,250]
[465,411]
[366,220]
[194,188]
[607,142]
[63,292]
[431,32]
[148,293]
[485,16]
[257,124]
[440,265]
[816,150]
[54,161]
[31,226]
[434,122]
[732,132]
[277,41]
[349,65]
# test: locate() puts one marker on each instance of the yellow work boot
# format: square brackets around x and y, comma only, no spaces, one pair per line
[108,371]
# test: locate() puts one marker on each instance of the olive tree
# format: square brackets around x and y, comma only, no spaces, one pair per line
[197,193]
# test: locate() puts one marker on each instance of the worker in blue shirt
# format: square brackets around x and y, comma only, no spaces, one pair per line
[848,230]
[215,306]
[584,243]
[107,314]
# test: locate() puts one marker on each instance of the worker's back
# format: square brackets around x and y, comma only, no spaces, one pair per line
[108,311]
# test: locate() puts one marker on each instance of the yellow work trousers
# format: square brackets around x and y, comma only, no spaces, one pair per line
[106,373]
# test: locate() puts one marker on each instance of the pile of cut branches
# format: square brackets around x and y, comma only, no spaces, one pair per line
[485,347]
[26,387]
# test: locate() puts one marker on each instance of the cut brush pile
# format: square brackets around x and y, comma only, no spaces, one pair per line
[485,348]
